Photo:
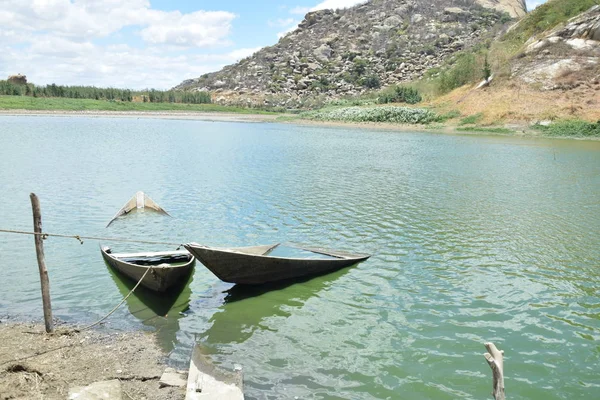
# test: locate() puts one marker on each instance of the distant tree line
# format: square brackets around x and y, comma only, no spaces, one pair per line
[90,92]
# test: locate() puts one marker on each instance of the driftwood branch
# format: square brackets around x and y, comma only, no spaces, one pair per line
[495,359]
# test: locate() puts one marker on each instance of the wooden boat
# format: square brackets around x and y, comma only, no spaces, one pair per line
[258,264]
[208,381]
[138,201]
[168,267]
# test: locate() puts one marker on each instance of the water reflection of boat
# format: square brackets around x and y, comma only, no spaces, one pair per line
[271,263]
[245,309]
[161,311]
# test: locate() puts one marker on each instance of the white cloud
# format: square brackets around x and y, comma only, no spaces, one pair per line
[281,22]
[199,29]
[62,41]
[300,10]
[58,47]
[88,19]
[76,63]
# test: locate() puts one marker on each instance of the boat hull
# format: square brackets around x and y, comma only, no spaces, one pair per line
[160,279]
[237,266]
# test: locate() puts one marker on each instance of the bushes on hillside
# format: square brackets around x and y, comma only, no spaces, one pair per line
[464,70]
[399,94]
[371,82]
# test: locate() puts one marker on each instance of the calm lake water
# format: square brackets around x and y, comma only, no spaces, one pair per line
[474,239]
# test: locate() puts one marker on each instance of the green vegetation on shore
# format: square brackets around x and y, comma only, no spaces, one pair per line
[484,129]
[11,88]
[66,104]
[571,128]
[391,114]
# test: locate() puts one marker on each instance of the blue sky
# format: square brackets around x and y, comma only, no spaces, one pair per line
[140,43]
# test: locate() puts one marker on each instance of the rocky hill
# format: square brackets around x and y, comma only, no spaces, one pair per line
[516,8]
[552,73]
[564,57]
[337,53]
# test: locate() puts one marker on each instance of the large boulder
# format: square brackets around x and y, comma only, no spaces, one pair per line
[456,14]
[515,8]
[323,52]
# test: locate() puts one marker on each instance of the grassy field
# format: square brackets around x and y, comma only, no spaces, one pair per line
[66,104]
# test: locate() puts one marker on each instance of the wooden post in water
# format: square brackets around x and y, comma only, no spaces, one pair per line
[495,359]
[39,249]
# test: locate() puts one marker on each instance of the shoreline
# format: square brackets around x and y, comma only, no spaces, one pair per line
[34,364]
[168,114]
[517,130]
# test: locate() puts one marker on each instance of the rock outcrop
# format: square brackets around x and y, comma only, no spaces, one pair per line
[347,52]
[515,8]
[564,57]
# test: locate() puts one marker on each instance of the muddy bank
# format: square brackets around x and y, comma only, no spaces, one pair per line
[34,365]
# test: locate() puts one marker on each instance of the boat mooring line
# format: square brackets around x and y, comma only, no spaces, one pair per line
[118,305]
[88,326]
[45,235]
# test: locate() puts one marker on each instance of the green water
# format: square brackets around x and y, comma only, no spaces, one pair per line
[474,239]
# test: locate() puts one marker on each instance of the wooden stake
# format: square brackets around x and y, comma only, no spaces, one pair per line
[39,249]
[495,359]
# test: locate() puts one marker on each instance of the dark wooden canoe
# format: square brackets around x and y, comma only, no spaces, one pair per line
[254,265]
[168,267]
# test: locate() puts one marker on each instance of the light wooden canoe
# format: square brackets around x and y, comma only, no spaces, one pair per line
[254,266]
[138,201]
[206,381]
[168,267]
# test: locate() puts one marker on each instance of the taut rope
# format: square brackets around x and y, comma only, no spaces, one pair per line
[45,235]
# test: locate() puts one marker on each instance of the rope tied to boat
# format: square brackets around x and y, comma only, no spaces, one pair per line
[45,235]
[120,304]
[80,238]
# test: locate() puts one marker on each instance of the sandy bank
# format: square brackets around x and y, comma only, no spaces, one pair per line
[233,117]
[34,365]
[203,116]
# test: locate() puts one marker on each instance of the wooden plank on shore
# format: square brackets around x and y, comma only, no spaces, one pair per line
[208,382]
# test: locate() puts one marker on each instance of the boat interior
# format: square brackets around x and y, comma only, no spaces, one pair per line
[145,259]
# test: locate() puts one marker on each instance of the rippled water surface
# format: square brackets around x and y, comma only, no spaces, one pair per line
[474,239]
